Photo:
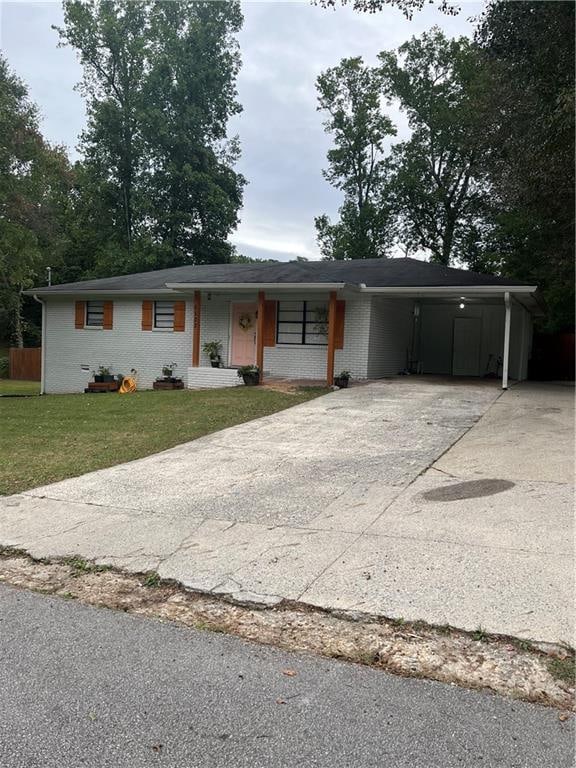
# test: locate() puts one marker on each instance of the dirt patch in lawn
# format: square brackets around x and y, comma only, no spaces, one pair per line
[477,660]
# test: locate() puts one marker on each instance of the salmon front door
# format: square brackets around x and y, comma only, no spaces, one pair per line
[243,334]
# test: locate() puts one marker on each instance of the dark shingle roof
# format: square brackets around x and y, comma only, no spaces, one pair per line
[405,273]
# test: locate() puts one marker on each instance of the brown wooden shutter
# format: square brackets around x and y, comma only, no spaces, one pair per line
[269,329]
[147,307]
[108,321]
[179,315]
[339,322]
[80,314]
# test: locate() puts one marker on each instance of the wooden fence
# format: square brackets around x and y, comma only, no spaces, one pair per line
[25,364]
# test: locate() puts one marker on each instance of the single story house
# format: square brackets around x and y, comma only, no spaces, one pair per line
[373,317]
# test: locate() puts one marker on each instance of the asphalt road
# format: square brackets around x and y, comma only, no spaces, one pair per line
[81,686]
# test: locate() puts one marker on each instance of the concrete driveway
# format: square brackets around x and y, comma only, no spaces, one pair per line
[394,498]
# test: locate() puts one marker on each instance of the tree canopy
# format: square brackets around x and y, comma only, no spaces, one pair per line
[408,7]
[157,170]
[350,95]
[528,149]
[34,181]
[486,177]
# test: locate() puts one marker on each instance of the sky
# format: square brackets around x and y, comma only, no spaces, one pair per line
[285,46]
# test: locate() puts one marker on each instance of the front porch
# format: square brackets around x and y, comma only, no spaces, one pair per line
[215,378]
[287,334]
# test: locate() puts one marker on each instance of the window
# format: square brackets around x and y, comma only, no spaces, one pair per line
[164,314]
[94,314]
[302,322]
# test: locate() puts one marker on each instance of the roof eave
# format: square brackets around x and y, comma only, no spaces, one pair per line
[53,291]
[448,290]
[256,286]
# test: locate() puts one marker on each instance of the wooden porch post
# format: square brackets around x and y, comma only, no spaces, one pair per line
[196,329]
[260,335]
[331,339]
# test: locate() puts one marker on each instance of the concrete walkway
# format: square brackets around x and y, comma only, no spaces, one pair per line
[350,501]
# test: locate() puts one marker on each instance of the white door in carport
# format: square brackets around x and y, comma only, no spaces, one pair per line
[466,349]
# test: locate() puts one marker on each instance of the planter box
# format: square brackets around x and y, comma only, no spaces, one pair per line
[168,384]
[102,386]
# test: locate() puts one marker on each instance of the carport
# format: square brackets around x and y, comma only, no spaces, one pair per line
[481,331]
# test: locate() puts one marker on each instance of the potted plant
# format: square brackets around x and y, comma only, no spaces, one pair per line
[168,371]
[214,351]
[103,375]
[250,374]
[342,379]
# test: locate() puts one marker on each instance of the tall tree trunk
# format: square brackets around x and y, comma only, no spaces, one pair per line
[447,241]
[17,326]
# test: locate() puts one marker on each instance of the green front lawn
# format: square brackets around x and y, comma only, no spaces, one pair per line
[49,438]
[13,387]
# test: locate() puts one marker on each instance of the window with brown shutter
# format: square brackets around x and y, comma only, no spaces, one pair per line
[269,332]
[179,315]
[339,323]
[108,319]
[147,309]
[79,314]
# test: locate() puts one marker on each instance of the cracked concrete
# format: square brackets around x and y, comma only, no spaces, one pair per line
[325,503]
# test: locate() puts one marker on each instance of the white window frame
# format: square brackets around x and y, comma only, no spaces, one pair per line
[87,314]
[162,328]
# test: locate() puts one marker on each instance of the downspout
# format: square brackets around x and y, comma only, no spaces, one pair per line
[506,355]
[43,353]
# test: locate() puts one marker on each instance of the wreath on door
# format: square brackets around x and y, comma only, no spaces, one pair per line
[245,322]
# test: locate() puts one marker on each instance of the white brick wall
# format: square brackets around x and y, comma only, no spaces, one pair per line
[390,336]
[294,361]
[212,378]
[126,346]
[310,362]
[375,341]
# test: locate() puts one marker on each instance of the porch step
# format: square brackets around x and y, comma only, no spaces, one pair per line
[212,378]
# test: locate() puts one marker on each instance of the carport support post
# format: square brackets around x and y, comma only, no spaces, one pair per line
[331,339]
[260,335]
[506,355]
[196,329]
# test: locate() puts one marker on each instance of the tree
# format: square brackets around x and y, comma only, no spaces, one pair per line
[528,149]
[190,94]
[111,38]
[350,95]
[440,193]
[408,7]
[159,79]
[34,179]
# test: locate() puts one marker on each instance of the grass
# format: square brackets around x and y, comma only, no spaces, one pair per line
[563,669]
[480,635]
[80,565]
[13,387]
[50,438]
[151,579]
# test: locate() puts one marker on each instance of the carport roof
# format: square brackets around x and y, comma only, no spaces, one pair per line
[401,273]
